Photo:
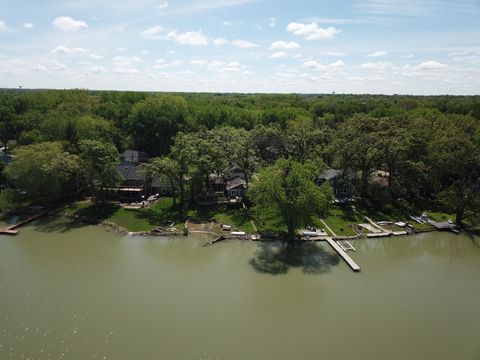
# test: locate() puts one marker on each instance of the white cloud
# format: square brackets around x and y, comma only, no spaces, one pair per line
[431,65]
[313,64]
[28,25]
[198,62]
[126,71]
[408,56]
[227,23]
[220,42]
[188,38]
[96,56]
[151,32]
[284,45]
[333,53]
[162,64]
[4,28]
[67,24]
[97,69]
[312,31]
[66,50]
[278,55]
[126,61]
[162,5]
[378,66]
[337,64]
[272,22]
[377,54]
[121,49]
[243,44]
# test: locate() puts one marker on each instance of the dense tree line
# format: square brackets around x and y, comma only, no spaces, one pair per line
[427,147]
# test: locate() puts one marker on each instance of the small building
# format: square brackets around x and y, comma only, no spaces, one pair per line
[235,187]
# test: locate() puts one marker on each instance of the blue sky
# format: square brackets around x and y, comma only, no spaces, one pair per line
[356,46]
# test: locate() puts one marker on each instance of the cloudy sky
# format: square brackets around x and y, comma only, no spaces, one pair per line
[305,46]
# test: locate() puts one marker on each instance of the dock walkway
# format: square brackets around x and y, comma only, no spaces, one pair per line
[343,254]
[10,230]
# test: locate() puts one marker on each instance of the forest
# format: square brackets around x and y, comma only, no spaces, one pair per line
[394,152]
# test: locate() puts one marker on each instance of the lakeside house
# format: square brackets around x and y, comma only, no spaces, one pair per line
[341,183]
[133,157]
[235,171]
[133,185]
[235,187]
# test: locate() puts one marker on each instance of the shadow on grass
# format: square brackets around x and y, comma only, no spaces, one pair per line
[96,213]
[52,225]
[277,259]
[157,218]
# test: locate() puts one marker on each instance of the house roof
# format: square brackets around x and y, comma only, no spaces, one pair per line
[235,168]
[234,183]
[330,174]
[133,156]
[129,172]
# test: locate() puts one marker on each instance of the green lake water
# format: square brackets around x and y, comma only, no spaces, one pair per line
[73,292]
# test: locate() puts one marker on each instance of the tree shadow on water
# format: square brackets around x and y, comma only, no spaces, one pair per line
[278,258]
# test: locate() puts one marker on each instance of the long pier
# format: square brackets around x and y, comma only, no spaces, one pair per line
[343,254]
[10,230]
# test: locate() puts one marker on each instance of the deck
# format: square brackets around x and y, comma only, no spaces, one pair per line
[343,254]
[10,230]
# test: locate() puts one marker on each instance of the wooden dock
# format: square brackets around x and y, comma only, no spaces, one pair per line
[343,254]
[10,230]
[444,226]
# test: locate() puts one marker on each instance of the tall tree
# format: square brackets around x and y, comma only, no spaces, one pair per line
[43,170]
[100,161]
[290,187]
[455,156]
[154,122]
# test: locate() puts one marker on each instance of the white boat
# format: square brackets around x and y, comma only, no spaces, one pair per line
[238,233]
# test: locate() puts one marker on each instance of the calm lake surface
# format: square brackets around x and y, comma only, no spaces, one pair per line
[72,292]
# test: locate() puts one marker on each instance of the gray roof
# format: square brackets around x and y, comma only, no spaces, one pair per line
[237,182]
[330,174]
[133,156]
[129,172]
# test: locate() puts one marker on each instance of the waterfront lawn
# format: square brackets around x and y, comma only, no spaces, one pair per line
[131,219]
[268,220]
[160,213]
[236,217]
[339,219]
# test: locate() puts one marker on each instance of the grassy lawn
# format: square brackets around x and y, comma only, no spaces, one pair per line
[440,216]
[268,220]
[158,214]
[338,220]
[130,219]
[237,217]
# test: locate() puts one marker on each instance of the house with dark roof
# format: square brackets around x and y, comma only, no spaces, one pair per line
[235,187]
[341,183]
[133,157]
[132,187]
[233,172]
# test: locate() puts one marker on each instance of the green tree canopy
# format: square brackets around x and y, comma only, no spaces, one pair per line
[100,161]
[290,187]
[154,122]
[43,170]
